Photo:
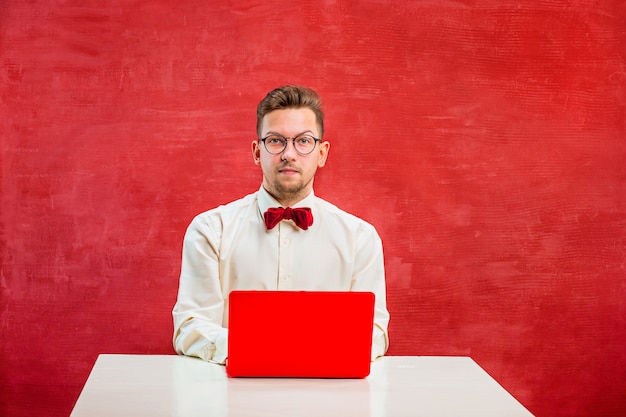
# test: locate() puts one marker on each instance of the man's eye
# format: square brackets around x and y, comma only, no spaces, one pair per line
[274,140]
[305,140]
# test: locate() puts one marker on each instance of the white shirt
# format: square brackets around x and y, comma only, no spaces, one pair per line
[229,248]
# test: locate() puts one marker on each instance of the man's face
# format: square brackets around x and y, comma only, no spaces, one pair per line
[288,176]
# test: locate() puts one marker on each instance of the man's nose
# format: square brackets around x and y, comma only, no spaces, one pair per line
[289,153]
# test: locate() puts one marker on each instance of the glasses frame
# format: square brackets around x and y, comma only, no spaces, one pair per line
[293,141]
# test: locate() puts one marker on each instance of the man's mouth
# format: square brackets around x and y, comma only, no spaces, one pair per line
[288,171]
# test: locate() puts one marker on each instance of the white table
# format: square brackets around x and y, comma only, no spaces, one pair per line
[169,385]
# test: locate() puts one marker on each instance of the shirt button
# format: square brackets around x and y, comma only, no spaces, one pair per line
[285,241]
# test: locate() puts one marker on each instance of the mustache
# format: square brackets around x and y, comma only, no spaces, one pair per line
[288,165]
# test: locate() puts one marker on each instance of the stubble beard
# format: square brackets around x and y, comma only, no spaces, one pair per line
[291,192]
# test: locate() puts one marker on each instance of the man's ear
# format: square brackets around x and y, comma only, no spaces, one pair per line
[324,148]
[256,152]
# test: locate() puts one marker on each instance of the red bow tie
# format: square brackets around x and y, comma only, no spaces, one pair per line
[302,217]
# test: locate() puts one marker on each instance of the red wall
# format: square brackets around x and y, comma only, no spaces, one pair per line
[485,140]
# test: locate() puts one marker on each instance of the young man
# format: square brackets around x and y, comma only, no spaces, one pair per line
[252,243]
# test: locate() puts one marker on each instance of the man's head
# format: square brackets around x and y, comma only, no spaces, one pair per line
[291,97]
[289,148]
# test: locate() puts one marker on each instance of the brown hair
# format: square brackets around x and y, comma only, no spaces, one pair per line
[290,96]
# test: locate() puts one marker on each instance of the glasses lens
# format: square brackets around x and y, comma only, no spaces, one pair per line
[304,144]
[275,144]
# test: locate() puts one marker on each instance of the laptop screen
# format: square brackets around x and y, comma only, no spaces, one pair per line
[305,334]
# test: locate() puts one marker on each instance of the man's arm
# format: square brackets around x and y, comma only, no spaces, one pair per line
[199,309]
[369,275]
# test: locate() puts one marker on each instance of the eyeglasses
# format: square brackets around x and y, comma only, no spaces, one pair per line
[303,144]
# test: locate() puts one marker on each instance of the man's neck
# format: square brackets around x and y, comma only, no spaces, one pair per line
[289,200]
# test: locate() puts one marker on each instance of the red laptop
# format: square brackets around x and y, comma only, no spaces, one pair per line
[300,334]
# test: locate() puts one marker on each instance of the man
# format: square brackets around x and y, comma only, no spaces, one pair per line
[252,244]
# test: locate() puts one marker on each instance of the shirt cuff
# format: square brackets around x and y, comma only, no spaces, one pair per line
[221,347]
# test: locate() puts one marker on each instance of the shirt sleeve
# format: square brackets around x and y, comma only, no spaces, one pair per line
[199,309]
[369,275]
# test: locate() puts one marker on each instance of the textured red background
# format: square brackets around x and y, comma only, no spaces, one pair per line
[485,141]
